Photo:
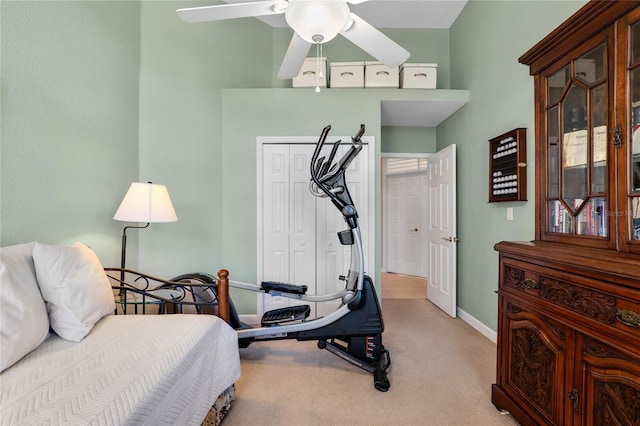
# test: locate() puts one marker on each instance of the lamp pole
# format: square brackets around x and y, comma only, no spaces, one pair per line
[123,255]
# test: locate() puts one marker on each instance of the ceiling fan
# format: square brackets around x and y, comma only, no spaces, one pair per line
[313,22]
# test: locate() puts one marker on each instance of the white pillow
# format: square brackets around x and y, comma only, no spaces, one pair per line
[24,323]
[75,287]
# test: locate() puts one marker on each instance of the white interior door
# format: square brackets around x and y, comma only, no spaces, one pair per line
[441,178]
[404,223]
[424,225]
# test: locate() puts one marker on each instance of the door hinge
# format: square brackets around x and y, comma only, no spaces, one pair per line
[574,397]
[617,136]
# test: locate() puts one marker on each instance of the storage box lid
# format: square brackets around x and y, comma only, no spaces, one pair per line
[419,65]
[346,64]
[370,63]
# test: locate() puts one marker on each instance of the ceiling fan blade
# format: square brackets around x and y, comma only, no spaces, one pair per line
[294,58]
[230,11]
[372,41]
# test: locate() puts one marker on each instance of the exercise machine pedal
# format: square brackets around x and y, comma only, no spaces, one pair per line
[282,315]
[269,286]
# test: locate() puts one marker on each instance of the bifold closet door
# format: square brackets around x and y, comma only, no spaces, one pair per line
[333,258]
[289,220]
[300,242]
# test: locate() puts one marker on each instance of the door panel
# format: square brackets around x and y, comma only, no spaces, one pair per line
[441,288]
[276,219]
[303,220]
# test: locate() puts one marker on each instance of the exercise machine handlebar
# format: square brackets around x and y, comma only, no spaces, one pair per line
[328,177]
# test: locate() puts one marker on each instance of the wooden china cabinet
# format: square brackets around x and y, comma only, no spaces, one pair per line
[569,302]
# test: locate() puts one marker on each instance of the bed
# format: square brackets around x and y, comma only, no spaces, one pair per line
[127,369]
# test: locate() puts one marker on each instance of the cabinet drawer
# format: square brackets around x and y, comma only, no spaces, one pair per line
[596,304]
[519,276]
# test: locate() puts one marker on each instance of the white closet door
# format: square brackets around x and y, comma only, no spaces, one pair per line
[275,187]
[300,242]
[289,221]
[302,227]
[334,258]
[331,254]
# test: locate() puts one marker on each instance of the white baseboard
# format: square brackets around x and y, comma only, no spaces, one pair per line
[469,319]
[479,326]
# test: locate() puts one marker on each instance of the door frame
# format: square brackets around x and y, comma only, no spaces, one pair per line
[384,196]
[310,140]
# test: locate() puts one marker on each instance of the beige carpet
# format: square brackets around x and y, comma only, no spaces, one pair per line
[441,374]
[398,286]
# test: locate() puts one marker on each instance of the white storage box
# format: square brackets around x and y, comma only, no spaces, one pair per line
[309,73]
[347,74]
[418,76]
[377,74]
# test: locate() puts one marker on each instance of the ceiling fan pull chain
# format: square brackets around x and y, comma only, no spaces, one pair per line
[318,70]
[320,63]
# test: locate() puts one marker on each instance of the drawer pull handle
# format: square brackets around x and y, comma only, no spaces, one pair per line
[309,73]
[627,317]
[529,283]
[382,73]
[346,74]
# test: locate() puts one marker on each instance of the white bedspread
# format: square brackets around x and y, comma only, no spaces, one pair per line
[131,369]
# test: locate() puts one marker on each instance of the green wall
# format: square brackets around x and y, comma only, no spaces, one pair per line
[69,112]
[420,140]
[183,71]
[486,41]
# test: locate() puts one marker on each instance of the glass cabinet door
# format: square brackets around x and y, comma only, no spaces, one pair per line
[632,224]
[576,114]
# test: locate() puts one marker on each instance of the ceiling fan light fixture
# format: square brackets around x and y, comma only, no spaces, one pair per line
[315,20]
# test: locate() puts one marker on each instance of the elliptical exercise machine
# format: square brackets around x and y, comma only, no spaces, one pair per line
[354,330]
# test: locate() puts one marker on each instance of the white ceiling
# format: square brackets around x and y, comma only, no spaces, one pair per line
[395,13]
[424,113]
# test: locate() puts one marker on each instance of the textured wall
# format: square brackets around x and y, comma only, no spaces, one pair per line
[69,120]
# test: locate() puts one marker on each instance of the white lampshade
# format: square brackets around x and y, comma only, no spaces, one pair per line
[317,21]
[146,202]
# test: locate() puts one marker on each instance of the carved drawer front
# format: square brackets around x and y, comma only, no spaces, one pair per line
[536,361]
[592,301]
[517,277]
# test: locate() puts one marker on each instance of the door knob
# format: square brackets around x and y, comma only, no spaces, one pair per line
[413,230]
